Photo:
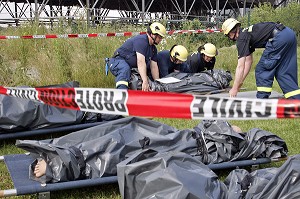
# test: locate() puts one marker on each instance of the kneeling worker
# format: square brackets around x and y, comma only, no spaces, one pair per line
[172,61]
[137,52]
[202,60]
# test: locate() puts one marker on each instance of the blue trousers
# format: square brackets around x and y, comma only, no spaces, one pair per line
[279,60]
[121,70]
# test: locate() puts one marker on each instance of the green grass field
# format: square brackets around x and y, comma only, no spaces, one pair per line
[55,61]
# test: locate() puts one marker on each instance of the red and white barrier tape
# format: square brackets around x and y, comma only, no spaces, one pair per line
[126,34]
[158,104]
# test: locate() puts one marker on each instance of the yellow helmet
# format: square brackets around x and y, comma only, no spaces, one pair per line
[209,49]
[179,52]
[229,24]
[158,28]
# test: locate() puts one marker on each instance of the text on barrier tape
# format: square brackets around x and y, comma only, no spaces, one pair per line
[158,104]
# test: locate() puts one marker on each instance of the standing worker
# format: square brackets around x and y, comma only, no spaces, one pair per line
[202,60]
[278,60]
[137,52]
[172,61]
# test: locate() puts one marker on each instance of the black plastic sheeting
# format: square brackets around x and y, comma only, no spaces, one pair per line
[96,151]
[168,175]
[17,165]
[24,115]
[203,82]
[149,174]
[282,182]
[224,144]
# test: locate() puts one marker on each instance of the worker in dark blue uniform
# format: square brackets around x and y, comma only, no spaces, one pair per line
[203,59]
[278,60]
[137,52]
[172,60]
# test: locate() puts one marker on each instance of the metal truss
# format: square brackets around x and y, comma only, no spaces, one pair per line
[16,12]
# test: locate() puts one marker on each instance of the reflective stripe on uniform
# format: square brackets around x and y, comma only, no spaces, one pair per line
[249,29]
[292,93]
[122,82]
[264,89]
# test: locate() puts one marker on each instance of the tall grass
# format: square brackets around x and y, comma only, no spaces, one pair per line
[38,62]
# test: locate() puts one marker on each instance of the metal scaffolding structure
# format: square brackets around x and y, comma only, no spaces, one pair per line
[210,12]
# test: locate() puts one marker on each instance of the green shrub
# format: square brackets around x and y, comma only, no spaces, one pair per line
[289,15]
